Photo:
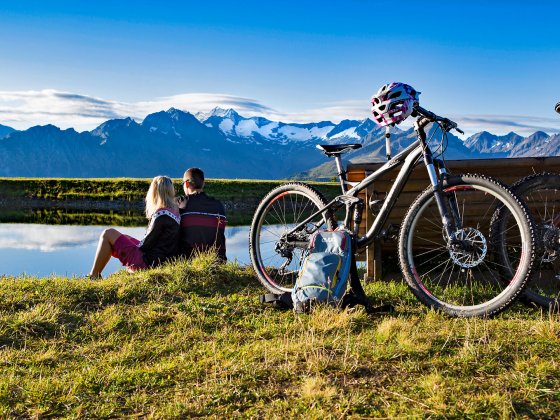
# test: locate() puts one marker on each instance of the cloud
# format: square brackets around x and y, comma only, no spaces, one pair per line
[22,109]
[336,112]
[201,102]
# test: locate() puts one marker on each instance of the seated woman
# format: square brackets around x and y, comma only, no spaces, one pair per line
[159,243]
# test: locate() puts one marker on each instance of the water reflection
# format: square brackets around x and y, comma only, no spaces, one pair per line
[46,238]
[62,216]
[98,217]
[43,250]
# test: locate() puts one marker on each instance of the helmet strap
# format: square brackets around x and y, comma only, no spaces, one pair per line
[388,142]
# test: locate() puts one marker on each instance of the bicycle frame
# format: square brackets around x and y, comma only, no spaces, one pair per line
[407,158]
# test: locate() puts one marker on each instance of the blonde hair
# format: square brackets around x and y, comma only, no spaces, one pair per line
[161,194]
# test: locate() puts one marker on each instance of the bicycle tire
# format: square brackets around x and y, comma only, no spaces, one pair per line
[470,283]
[280,210]
[541,193]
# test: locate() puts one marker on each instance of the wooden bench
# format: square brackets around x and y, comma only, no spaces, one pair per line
[508,170]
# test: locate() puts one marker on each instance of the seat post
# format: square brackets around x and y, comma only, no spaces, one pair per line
[340,172]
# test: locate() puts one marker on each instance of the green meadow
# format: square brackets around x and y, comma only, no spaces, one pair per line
[134,189]
[190,339]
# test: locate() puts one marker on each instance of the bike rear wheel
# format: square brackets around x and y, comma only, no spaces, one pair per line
[463,278]
[541,193]
[277,258]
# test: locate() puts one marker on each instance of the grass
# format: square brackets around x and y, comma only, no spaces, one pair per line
[191,339]
[133,189]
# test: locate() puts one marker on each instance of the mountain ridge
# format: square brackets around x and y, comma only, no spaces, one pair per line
[227,145]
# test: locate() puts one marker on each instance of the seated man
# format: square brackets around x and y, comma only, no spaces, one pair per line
[203,219]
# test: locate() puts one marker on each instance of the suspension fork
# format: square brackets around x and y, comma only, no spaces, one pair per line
[450,197]
[435,181]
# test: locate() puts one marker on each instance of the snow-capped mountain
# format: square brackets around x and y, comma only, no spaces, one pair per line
[226,145]
[485,142]
[259,130]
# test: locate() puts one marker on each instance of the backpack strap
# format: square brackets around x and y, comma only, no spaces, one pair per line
[356,294]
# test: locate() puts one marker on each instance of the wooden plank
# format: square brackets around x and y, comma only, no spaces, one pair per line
[537,162]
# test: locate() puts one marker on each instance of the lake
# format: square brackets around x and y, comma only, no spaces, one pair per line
[67,250]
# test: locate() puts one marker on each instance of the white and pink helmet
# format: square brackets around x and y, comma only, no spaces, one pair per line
[393,103]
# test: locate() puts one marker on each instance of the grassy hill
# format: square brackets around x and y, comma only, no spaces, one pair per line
[134,189]
[190,339]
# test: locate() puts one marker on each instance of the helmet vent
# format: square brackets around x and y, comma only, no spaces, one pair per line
[394,103]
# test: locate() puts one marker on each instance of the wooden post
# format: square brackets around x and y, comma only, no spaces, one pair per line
[374,262]
[373,251]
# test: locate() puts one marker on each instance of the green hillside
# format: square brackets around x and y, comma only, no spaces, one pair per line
[190,339]
[134,189]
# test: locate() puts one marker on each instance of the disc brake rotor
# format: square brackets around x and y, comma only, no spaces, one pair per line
[472,249]
[551,245]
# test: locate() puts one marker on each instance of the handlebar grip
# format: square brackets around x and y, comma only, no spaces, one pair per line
[425,113]
[451,125]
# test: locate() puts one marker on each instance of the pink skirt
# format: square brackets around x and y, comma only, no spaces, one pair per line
[126,250]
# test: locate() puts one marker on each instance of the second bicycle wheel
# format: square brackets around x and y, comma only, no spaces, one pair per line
[277,256]
[462,276]
[541,193]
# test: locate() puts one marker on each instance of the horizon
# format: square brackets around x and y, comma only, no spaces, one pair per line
[78,65]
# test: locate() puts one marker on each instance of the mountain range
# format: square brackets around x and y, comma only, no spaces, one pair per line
[226,145]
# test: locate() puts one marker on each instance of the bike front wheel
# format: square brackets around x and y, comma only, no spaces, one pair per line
[461,276]
[275,255]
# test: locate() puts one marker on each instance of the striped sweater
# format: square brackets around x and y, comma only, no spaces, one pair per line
[203,223]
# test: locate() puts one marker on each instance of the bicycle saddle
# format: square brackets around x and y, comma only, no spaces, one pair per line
[337,149]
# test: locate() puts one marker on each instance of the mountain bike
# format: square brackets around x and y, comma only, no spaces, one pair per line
[454,247]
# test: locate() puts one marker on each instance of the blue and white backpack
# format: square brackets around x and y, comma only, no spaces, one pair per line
[325,271]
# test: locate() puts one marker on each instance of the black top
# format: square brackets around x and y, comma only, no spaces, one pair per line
[161,240]
[203,223]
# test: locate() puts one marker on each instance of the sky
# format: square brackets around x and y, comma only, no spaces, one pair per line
[492,66]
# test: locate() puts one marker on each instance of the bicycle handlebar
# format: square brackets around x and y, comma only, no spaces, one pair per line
[447,123]
[557,107]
